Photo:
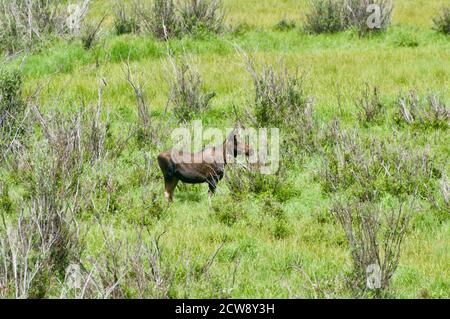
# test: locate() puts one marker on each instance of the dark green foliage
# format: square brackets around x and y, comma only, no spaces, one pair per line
[90,34]
[442,21]
[124,21]
[11,106]
[10,91]
[227,210]
[285,25]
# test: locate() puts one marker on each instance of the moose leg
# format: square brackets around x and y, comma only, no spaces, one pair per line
[170,185]
[212,189]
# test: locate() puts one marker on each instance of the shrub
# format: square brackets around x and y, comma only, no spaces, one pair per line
[364,20]
[158,18]
[369,104]
[278,224]
[25,24]
[12,107]
[406,37]
[186,91]
[326,16]
[36,250]
[422,112]
[285,25]
[90,34]
[367,168]
[166,19]
[442,21]
[201,15]
[281,102]
[10,93]
[124,21]
[279,95]
[242,180]
[374,237]
[227,211]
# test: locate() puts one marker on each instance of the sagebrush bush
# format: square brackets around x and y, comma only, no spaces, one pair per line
[370,105]
[374,238]
[186,93]
[326,16]
[368,168]
[281,101]
[24,24]
[423,112]
[90,32]
[368,16]
[158,17]
[441,23]
[279,95]
[167,19]
[125,21]
[329,16]
[197,16]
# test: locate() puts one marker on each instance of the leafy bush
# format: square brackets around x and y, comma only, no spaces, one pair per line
[242,180]
[10,93]
[406,37]
[442,21]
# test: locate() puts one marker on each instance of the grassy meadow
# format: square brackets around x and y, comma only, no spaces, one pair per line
[238,248]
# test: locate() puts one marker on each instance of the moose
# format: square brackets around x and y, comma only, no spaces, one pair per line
[205,166]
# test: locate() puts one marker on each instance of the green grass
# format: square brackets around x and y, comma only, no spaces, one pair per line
[409,56]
